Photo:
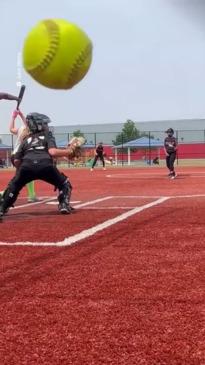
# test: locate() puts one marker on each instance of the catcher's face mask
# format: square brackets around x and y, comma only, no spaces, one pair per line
[37,122]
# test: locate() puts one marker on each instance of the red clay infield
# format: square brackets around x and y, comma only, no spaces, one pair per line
[130,293]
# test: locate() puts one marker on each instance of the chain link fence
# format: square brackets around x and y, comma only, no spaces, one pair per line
[146,149]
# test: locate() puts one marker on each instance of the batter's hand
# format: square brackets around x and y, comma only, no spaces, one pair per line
[15,114]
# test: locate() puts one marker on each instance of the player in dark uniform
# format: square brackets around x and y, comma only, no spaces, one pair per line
[5,96]
[34,161]
[99,154]
[170,148]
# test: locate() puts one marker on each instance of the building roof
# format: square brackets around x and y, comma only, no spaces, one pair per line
[186,130]
[143,142]
[155,126]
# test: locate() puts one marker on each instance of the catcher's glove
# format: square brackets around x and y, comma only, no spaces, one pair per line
[74,146]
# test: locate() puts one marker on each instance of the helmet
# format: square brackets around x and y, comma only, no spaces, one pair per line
[170,131]
[37,122]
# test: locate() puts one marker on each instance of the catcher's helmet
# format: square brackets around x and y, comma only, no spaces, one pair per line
[37,122]
[170,131]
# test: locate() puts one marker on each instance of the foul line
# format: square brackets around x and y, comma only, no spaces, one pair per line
[91,231]
[34,203]
[158,196]
[51,199]
[93,202]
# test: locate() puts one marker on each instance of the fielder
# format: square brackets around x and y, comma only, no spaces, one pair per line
[99,154]
[170,148]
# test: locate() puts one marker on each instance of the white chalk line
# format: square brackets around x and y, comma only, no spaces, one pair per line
[110,208]
[35,203]
[52,200]
[194,176]
[93,202]
[157,175]
[159,196]
[90,231]
[82,205]
[56,202]
[97,207]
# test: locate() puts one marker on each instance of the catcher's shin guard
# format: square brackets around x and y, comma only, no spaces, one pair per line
[7,200]
[64,198]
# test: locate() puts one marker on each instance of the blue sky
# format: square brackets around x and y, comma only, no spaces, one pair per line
[148,60]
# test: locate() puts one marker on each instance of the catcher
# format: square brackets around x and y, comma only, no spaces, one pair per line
[34,161]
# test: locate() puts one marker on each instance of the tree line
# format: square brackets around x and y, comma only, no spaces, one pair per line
[129,133]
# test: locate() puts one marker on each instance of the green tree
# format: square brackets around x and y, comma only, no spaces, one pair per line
[78,133]
[129,133]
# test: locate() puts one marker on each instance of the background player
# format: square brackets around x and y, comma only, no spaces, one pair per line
[99,154]
[170,148]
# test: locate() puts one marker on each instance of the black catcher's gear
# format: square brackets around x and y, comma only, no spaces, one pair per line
[8,198]
[64,186]
[64,198]
[37,164]
[37,122]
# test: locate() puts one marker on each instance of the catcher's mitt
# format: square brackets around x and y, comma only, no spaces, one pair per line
[74,146]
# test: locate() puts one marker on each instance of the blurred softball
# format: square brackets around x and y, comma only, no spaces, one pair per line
[57,54]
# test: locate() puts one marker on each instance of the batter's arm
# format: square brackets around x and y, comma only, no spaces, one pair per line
[58,152]
[6,96]
[55,152]
[23,118]
[12,127]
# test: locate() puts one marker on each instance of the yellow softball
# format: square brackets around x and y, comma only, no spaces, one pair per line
[57,54]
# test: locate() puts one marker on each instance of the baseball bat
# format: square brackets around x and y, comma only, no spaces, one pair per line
[21,94]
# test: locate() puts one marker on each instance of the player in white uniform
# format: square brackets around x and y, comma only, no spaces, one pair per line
[21,133]
[6,96]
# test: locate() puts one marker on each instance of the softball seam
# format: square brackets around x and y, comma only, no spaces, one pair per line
[54,35]
[78,63]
